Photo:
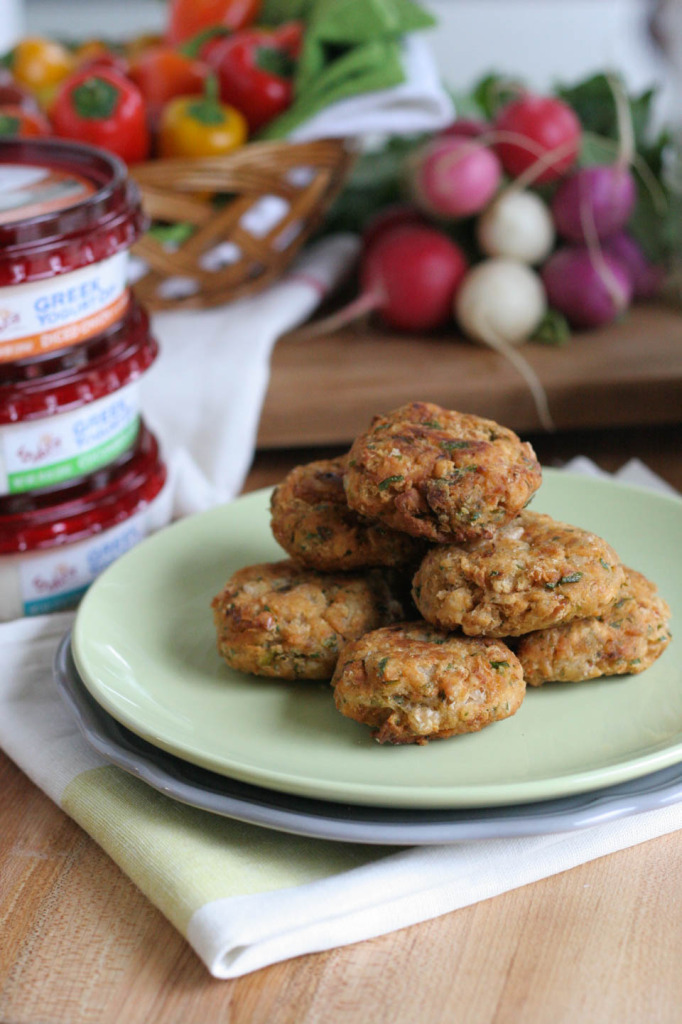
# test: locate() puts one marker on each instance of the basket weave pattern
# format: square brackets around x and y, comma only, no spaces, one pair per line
[275,195]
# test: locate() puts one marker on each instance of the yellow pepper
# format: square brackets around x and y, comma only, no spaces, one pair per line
[41,64]
[200,126]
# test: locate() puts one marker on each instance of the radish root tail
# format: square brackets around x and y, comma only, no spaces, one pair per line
[525,370]
[355,310]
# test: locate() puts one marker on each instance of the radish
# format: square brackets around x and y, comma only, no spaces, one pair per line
[409,276]
[590,288]
[388,218]
[454,177]
[500,303]
[605,194]
[595,202]
[533,127]
[647,278]
[518,225]
[468,127]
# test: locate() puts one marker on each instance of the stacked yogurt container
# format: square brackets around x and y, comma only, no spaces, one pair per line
[81,476]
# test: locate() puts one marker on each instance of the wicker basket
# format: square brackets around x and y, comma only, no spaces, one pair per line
[275,194]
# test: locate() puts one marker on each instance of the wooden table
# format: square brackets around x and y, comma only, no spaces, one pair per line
[324,390]
[79,944]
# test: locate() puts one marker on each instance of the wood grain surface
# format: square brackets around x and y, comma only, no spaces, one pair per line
[325,390]
[79,944]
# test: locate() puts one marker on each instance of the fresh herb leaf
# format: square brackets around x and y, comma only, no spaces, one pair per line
[571,578]
[499,664]
[386,483]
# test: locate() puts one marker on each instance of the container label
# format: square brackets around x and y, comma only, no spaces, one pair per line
[42,316]
[62,447]
[55,580]
[28,190]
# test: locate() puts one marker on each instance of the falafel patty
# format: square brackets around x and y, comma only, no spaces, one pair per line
[625,640]
[311,520]
[283,620]
[533,574]
[412,683]
[444,476]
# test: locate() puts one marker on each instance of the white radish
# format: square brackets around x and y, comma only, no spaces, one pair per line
[517,225]
[500,303]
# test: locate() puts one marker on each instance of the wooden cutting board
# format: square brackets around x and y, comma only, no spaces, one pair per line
[324,391]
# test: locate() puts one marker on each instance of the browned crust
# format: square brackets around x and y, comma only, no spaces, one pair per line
[311,520]
[282,620]
[440,475]
[413,683]
[535,573]
[626,639]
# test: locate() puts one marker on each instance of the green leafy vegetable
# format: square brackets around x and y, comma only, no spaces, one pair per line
[553,329]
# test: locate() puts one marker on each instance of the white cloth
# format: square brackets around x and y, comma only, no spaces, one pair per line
[204,395]
[419,104]
[242,933]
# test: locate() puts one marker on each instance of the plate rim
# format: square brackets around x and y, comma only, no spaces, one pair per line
[497,794]
[308,818]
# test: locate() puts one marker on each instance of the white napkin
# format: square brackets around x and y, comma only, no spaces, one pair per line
[419,104]
[204,395]
[301,895]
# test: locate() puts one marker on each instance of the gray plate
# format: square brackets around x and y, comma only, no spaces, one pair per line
[200,788]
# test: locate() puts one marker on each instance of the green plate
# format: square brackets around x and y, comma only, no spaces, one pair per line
[144,644]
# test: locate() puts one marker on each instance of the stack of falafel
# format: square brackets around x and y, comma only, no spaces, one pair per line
[433,502]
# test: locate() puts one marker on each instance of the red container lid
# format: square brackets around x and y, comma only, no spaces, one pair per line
[31,522]
[62,206]
[73,377]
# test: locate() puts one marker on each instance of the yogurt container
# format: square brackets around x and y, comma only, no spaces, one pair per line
[66,415]
[68,216]
[52,546]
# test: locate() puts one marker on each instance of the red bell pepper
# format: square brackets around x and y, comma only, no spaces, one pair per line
[255,70]
[103,107]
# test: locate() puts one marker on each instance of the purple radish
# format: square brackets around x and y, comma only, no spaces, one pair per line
[647,278]
[590,288]
[594,201]
[454,176]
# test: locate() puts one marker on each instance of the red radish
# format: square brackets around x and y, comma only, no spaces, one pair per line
[647,278]
[604,194]
[589,287]
[413,273]
[455,177]
[390,217]
[536,126]
[409,276]
[467,127]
